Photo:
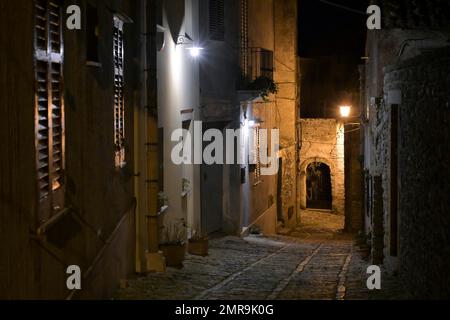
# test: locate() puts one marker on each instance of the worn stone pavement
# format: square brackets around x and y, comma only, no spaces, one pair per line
[309,263]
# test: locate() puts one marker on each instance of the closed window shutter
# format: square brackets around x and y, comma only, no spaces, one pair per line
[49,103]
[119,101]
[257,146]
[217,20]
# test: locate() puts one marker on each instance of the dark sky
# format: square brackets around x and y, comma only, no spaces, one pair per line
[326,30]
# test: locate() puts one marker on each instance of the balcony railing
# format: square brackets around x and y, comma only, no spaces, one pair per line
[259,63]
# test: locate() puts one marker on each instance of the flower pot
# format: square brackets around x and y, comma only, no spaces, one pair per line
[174,253]
[198,247]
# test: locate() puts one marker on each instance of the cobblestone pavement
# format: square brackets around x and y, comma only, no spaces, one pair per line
[258,268]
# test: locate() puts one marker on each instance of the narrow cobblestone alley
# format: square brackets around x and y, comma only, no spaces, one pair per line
[304,265]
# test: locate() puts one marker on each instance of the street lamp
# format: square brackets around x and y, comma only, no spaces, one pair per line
[195,51]
[345,111]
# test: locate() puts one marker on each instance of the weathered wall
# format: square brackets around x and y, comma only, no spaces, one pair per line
[386,47]
[178,90]
[287,101]
[99,231]
[424,171]
[353,181]
[323,141]
[259,195]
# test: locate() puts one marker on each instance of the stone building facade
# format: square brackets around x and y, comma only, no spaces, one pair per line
[269,50]
[423,171]
[323,142]
[406,144]
[70,101]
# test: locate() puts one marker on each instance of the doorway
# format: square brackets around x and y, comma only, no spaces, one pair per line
[212,189]
[318,186]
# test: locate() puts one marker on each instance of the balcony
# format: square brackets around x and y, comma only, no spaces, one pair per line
[258,63]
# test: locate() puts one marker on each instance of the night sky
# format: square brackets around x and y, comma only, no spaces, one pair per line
[326,30]
[335,38]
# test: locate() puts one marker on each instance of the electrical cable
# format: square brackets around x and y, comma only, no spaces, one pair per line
[343,7]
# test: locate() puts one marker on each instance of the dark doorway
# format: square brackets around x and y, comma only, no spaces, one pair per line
[212,189]
[393,245]
[279,191]
[318,186]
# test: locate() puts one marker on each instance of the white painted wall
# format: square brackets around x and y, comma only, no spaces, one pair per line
[178,90]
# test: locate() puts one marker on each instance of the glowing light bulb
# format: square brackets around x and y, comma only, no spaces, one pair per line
[195,51]
[345,111]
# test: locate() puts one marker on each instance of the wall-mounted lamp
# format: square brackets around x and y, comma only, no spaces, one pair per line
[184,39]
[345,111]
[195,51]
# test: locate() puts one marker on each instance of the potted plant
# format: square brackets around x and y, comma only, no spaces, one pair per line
[173,244]
[186,187]
[264,85]
[198,244]
[163,201]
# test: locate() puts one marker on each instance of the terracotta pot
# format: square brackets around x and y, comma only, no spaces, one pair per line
[198,247]
[174,253]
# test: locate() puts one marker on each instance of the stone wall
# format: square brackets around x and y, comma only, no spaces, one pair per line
[353,181]
[286,100]
[323,141]
[424,171]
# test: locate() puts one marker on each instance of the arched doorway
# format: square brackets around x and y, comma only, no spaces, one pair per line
[318,186]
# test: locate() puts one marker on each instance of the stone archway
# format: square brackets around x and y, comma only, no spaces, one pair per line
[318,186]
[303,184]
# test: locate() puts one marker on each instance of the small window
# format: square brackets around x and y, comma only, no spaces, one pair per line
[119,101]
[255,166]
[92,35]
[217,20]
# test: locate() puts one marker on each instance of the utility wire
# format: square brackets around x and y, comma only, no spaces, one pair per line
[343,7]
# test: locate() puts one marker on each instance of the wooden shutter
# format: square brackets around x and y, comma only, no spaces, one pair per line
[119,101]
[217,20]
[49,105]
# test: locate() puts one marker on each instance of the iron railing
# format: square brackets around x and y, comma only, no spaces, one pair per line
[259,63]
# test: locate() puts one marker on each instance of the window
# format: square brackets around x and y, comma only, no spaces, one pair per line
[216,20]
[119,101]
[49,106]
[92,34]
[256,154]
[259,63]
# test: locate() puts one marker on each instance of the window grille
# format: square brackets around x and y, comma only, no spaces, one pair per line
[119,101]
